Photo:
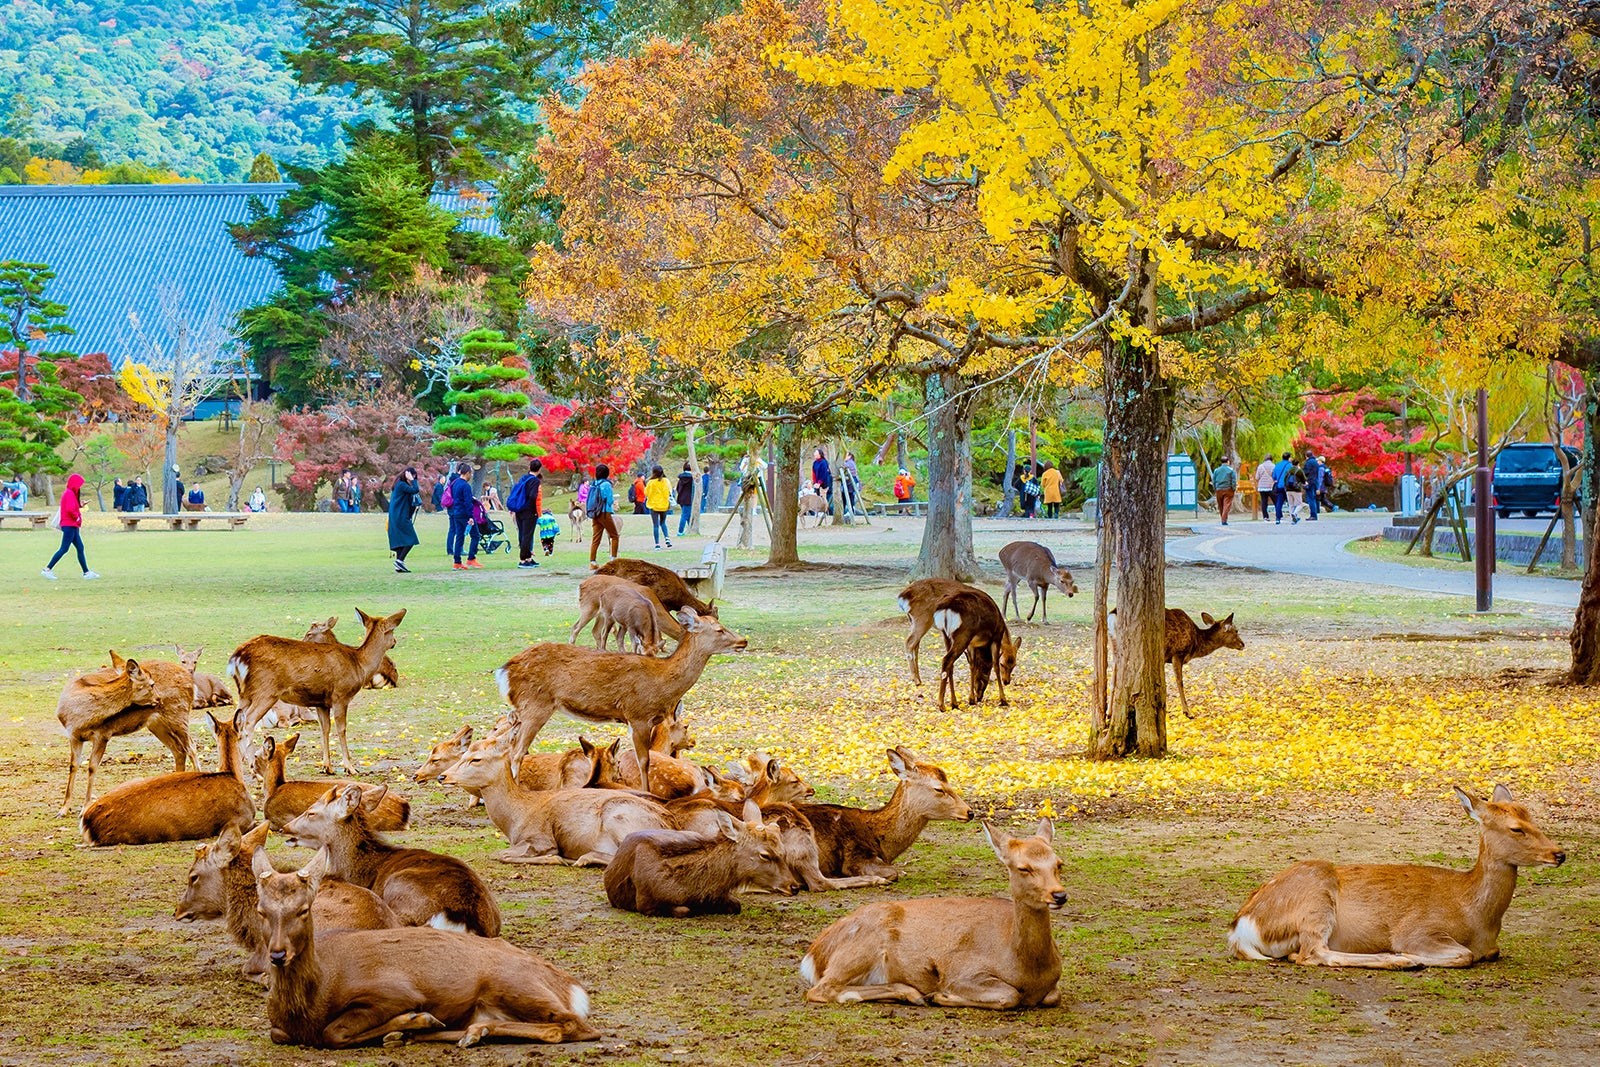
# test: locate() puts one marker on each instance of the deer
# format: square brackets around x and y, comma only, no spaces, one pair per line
[285,799]
[598,593]
[221,885]
[971,623]
[344,988]
[326,677]
[1031,563]
[583,827]
[1397,915]
[918,600]
[576,517]
[182,806]
[956,952]
[609,686]
[852,842]
[538,770]
[102,704]
[670,778]
[675,873]
[1185,641]
[387,676]
[669,588]
[423,888]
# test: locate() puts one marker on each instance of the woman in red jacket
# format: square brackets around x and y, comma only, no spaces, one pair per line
[70,521]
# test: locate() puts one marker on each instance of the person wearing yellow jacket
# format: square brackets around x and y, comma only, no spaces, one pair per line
[658,500]
[1050,483]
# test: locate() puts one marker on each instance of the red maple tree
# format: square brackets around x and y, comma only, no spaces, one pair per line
[376,439]
[567,447]
[1337,427]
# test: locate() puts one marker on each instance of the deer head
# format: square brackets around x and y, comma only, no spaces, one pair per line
[1006,662]
[928,791]
[757,852]
[1032,862]
[284,902]
[322,631]
[1509,831]
[1061,578]
[381,626]
[445,754]
[189,658]
[1222,633]
[708,631]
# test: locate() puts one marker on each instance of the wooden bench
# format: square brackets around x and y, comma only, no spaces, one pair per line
[705,580]
[915,508]
[36,519]
[188,520]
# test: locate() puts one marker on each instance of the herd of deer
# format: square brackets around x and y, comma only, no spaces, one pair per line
[370,941]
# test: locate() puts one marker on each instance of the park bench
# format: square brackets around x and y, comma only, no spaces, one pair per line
[705,580]
[914,508]
[188,520]
[36,519]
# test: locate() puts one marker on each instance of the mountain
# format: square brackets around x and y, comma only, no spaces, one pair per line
[196,86]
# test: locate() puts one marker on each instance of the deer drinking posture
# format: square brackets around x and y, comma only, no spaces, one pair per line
[669,588]
[970,620]
[1186,641]
[958,952]
[424,888]
[322,676]
[285,799]
[918,600]
[609,687]
[678,873]
[1032,564]
[350,987]
[182,806]
[1392,916]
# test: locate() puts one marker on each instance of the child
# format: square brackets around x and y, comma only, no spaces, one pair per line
[549,530]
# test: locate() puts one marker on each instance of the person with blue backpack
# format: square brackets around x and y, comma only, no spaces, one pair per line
[459,502]
[523,502]
[600,505]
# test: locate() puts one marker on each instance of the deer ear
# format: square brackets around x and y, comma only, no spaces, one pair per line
[689,619]
[116,661]
[261,865]
[346,803]
[394,620]
[725,826]
[1205,617]
[901,761]
[366,620]
[238,722]
[1469,802]
[998,840]
[752,813]
[256,838]
[588,749]
[1229,619]
[372,796]
[614,747]
[333,620]
[1047,830]
[269,746]
[465,733]
[1016,644]
[290,742]
[772,770]
[216,724]
[1502,795]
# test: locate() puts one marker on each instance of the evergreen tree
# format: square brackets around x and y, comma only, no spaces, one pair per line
[26,316]
[33,405]
[486,416]
[263,169]
[381,224]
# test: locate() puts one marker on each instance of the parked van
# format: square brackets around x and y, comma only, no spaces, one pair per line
[1527,478]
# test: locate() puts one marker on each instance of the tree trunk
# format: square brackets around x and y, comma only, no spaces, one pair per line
[660,445]
[717,484]
[1585,637]
[235,484]
[1138,404]
[169,480]
[747,501]
[784,551]
[900,459]
[1008,502]
[947,535]
[696,496]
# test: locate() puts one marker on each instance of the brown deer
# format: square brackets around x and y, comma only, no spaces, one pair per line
[608,686]
[387,676]
[583,827]
[669,778]
[669,588]
[1186,641]
[182,806]
[322,676]
[677,873]
[424,888]
[852,842]
[576,517]
[345,988]
[1031,563]
[918,600]
[538,770]
[285,799]
[972,624]
[1394,915]
[221,885]
[103,704]
[600,592]
[957,952]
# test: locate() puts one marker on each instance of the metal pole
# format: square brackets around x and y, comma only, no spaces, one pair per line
[1481,510]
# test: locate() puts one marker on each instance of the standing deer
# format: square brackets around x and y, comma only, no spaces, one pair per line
[677,873]
[387,676]
[609,687]
[1393,916]
[1032,563]
[322,676]
[969,620]
[918,600]
[346,988]
[283,799]
[593,596]
[958,952]
[111,703]
[669,588]
[1185,641]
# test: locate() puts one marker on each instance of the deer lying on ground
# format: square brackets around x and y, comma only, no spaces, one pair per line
[608,686]
[669,588]
[596,597]
[918,600]
[111,703]
[182,806]
[970,620]
[583,827]
[1186,641]
[222,885]
[669,778]
[322,676]
[345,988]
[1392,916]
[285,799]
[424,888]
[1030,563]
[958,952]
[537,770]
[678,873]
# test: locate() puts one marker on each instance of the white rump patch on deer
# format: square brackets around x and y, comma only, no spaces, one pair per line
[502,678]
[443,922]
[808,970]
[1245,939]
[580,1002]
[237,669]
[903,604]
[947,621]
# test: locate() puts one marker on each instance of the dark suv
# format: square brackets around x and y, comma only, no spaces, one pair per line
[1527,478]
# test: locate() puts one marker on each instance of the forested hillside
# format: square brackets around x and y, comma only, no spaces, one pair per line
[193,85]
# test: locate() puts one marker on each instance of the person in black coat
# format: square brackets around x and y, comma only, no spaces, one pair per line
[461,525]
[685,497]
[119,495]
[404,500]
[438,493]
[1313,476]
[527,513]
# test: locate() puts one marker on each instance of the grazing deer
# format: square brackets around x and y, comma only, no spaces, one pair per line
[918,600]
[669,778]
[593,597]
[222,885]
[669,588]
[424,888]
[1034,564]
[211,691]
[1392,916]
[970,620]
[677,873]
[958,952]
[182,806]
[583,827]
[103,704]
[322,676]
[853,841]
[285,799]
[607,686]
[345,988]
[1186,641]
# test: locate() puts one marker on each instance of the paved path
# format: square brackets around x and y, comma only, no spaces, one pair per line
[1317,549]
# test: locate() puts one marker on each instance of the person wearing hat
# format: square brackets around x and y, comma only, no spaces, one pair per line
[905,486]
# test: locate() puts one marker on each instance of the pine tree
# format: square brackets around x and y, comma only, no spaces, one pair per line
[263,169]
[486,415]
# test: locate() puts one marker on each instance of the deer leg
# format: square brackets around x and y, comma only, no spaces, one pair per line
[987,992]
[1437,951]
[831,993]
[1183,698]
[546,1033]
[368,1023]
[1044,604]
[999,683]
[177,742]
[1011,595]
[326,722]
[528,726]
[544,852]
[919,629]
[76,746]
[643,730]
[1035,606]
[340,715]
[96,753]
[584,616]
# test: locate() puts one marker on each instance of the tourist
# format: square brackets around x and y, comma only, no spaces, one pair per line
[405,499]
[1313,476]
[70,518]
[355,493]
[1028,490]
[258,500]
[905,487]
[1226,482]
[822,477]
[1325,488]
[1279,489]
[177,477]
[523,503]
[549,530]
[601,503]
[461,506]
[850,484]
[138,496]
[1264,486]
[14,495]
[658,498]
[119,495]
[438,492]
[1050,489]
[636,494]
[685,497]
[1294,486]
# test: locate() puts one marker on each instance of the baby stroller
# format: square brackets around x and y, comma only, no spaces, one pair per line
[491,532]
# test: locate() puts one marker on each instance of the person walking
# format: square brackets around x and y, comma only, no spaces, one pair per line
[462,507]
[822,476]
[602,503]
[1312,470]
[438,492]
[658,498]
[1294,490]
[1264,486]
[1226,482]
[1050,488]
[1279,470]
[1028,491]
[636,494]
[1325,489]
[69,517]
[355,493]
[404,501]
[850,484]
[549,530]
[685,497]
[119,495]
[523,502]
